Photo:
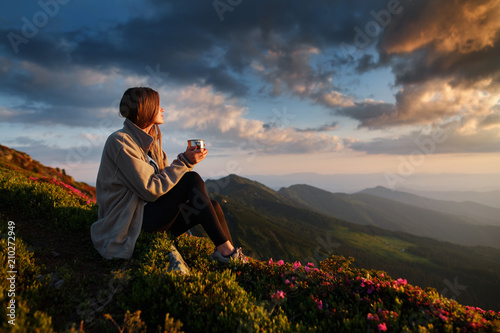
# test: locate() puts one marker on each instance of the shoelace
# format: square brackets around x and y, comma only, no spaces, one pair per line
[238,254]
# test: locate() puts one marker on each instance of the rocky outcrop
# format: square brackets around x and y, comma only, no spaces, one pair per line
[177,263]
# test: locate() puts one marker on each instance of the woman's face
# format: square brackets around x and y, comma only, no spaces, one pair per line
[159,117]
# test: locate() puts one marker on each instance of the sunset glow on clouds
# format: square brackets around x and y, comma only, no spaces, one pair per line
[326,87]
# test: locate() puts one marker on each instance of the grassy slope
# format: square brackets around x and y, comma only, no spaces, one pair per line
[62,281]
[24,164]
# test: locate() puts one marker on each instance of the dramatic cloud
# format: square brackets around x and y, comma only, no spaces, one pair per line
[448,26]
[73,97]
[222,122]
[441,38]
[210,65]
[435,101]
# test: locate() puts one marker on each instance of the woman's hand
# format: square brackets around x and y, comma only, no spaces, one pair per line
[195,155]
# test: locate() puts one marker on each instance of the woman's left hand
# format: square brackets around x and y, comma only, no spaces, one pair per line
[195,155]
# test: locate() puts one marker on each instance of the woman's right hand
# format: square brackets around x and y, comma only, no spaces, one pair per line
[195,155]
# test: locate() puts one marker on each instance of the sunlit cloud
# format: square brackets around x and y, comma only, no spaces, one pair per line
[445,27]
[222,119]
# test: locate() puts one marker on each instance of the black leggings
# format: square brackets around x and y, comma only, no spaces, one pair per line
[187,204]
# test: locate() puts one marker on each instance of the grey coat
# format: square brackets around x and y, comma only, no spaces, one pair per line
[126,181]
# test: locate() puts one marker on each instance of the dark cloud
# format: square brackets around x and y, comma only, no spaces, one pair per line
[192,44]
[435,39]
[369,114]
[322,128]
[491,120]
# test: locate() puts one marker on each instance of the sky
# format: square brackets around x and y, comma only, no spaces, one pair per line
[389,88]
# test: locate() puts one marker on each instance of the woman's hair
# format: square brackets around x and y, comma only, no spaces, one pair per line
[141,105]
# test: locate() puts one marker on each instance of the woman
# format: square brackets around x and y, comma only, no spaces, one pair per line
[138,190]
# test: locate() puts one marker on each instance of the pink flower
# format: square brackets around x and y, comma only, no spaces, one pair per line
[270,262]
[442,317]
[320,304]
[382,327]
[287,281]
[307,268]
[281,263]
[279,294]
[310,264]
[296,265]
[401,281]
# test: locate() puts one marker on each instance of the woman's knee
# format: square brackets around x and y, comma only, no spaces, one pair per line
[216,206]
[193,177]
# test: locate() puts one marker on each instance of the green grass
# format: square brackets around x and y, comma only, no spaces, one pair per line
[62,284]
[384,246]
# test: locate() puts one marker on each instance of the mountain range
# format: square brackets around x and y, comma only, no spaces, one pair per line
[307,224]
[465,223]
[480,188]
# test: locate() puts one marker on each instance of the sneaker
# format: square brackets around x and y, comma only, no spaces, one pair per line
[236,255]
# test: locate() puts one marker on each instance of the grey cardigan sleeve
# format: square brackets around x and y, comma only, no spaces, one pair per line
[139,175]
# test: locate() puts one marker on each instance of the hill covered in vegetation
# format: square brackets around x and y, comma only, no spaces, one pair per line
[23,163]
[54,281]
[270,224]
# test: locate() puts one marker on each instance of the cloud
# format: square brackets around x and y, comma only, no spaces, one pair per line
[461,136]
[333,99]
[444,56]
[491,121]
[435,101]
[74,97]
[222,121]
[369,113]
[84,152]
[433,39]
[322,128]
[189,41]
[445,27]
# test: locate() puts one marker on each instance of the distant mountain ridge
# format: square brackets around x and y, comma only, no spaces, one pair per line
[488,198]
[368,209]
[480,188]
[472,212]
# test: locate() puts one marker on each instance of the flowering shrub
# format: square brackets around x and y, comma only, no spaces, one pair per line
[336,297]
[46,199]
[84,198]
